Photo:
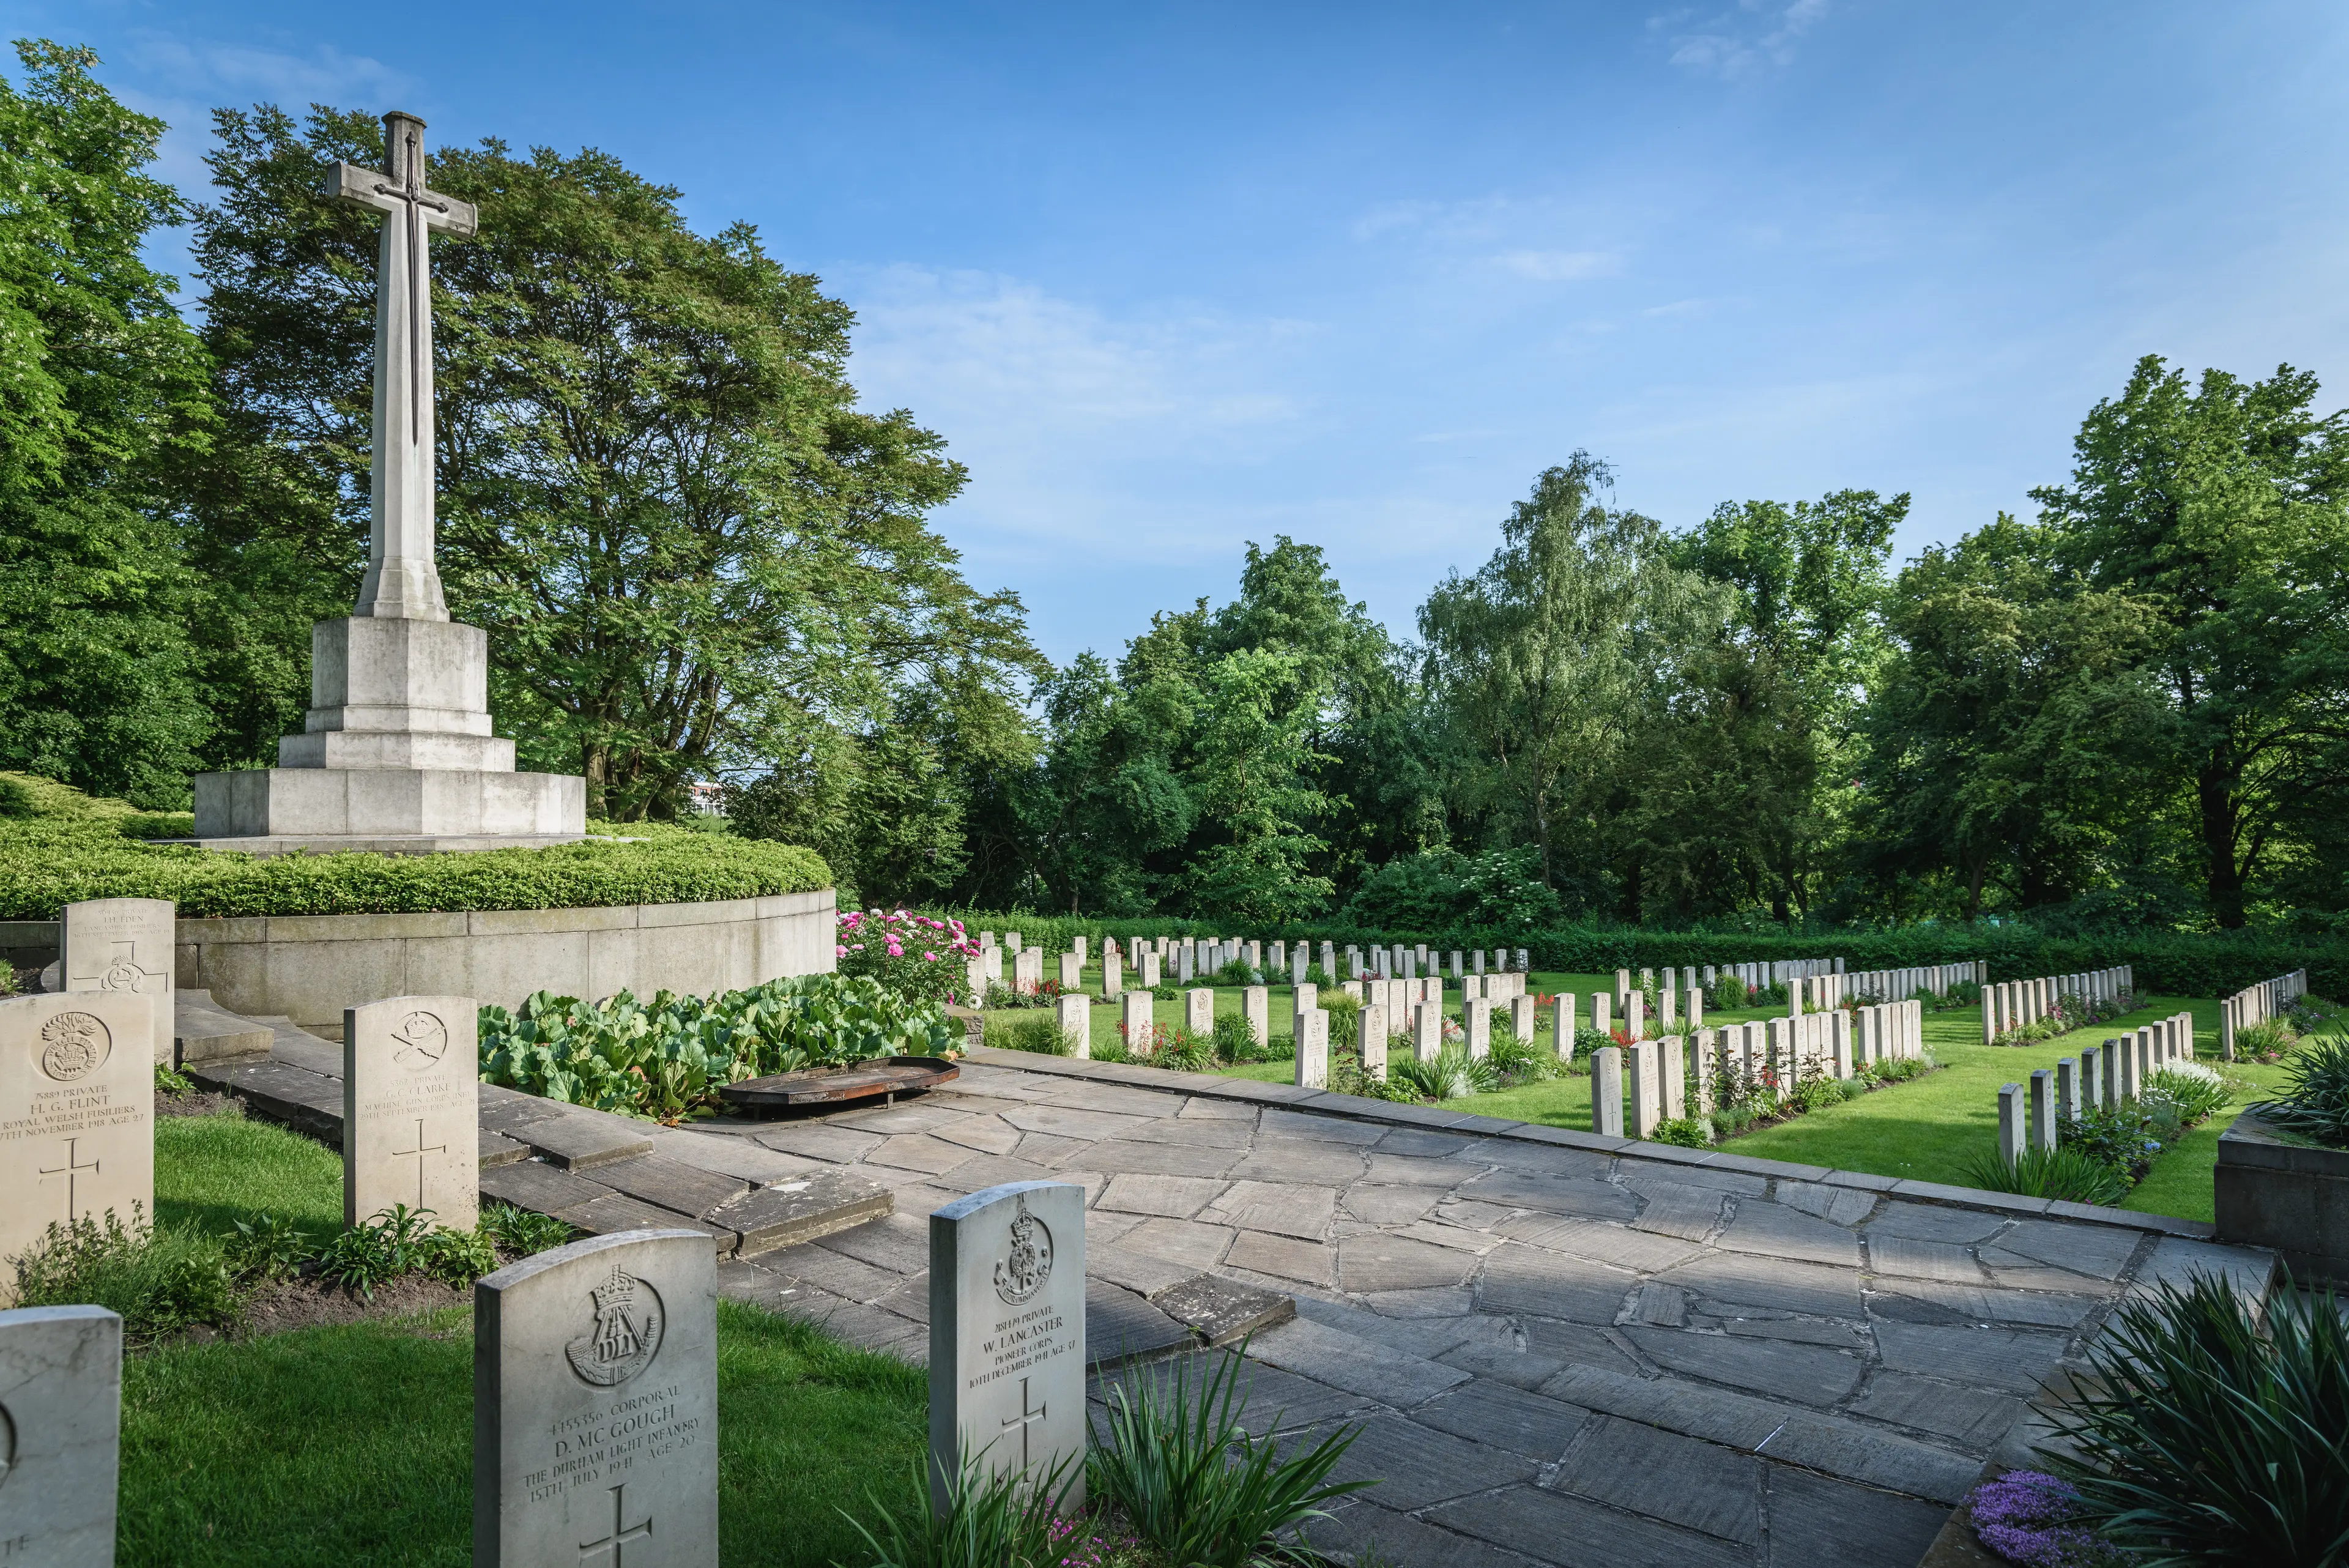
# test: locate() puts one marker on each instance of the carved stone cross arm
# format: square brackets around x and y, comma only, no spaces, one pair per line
[374,188]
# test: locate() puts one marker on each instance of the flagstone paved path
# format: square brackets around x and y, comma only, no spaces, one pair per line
[1560,1349]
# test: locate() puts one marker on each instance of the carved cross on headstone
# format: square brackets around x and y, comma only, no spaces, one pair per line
[402,583]
[120,973]
[417,1154]
[1026,1421]
[616,1545]
[72,1171]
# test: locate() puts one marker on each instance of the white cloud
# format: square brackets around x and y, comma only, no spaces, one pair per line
[1559,266]
[183,67]
[1054,404]
[1756,35]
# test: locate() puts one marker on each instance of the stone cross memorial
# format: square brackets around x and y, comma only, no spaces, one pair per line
[60,1423]
[595,1406]
[411,1108]
[76,1112]
[397,743]
[1007,1336]
[123,944]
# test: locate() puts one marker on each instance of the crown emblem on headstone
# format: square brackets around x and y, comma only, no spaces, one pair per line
[1022,1270]
[627,1331]
[73,1045]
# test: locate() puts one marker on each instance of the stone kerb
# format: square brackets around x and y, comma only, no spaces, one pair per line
[411,1108]
[60,1425]
[308,968]
[78,1104]
[1008,1335]
[595,1403]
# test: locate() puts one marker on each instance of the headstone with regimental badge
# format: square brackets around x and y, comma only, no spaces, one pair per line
[60,1424]
[1007,1336]
[411,1108]
[76,1112]
[123,944]
[595,1406]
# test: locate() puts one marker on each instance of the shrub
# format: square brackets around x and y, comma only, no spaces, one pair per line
[2316,1103]
[1345,1019]
[1040,1035]
[2209,1437]
[1236,972]
[2195,1093]
[1687,1132]
[1818,1094]
[2264,1041]
[1178,1050]
[1450,1074]
[1521,1060]
[161,1281]
[1729,993]
[1233,1040]
[1002,998]
[48,863]
[269,1247]
[667,1058]
[2120,1137]
[2067,1172]
[1192,1481]
[914,955]
[520,1232]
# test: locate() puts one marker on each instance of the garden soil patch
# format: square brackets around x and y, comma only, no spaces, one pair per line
[308,1302]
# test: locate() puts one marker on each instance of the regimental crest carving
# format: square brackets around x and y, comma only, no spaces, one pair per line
[122,975]
[423,1040]
[73,1045]
[627,1336]
[1021,1271]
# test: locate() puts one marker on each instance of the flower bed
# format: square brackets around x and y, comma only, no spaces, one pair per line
[912,954]
[667,1058]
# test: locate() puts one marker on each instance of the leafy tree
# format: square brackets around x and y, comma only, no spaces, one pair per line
[695,553]
[2009,734]
[1248,765]
[2225,506]
[103,399]
[1557,657]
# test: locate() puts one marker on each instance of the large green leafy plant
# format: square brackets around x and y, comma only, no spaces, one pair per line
[667,1058]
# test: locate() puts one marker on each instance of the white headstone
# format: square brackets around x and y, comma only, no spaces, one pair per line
[123,944]
[1076,1020]
[1313,1049]
[411,1108]
[1199,1011]
[76,1111]
[60,1424]
[1256,1006]
[1007,1334]
[595,1405]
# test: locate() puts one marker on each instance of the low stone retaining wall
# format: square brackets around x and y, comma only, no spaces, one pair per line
[2270,1193]
[308,968]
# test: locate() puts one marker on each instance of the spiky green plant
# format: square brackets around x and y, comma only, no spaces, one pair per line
[988,1521]
[1192,1482]
[2066,1172]
[2211,1437]
[2316,1103]
[1451,1074]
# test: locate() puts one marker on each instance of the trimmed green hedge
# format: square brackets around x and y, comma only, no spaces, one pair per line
[2170,963]
[57,846]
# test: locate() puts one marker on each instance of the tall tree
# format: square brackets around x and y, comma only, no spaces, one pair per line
[2226,506]
[102,401]
[1563,650]
[696,555]
[2009,736]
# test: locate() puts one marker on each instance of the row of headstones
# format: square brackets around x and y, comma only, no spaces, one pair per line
[77,1102]
[1775,1053]
[2109,1075]
[1818,992]
[1186,959]
[595,1390]
[2257,1004]
[2010,1004]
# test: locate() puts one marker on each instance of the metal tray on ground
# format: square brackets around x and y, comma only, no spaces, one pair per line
[884,1078]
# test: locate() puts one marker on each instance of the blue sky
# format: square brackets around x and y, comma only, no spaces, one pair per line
[1171,280]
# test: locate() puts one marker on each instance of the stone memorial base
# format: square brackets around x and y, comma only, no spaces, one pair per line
[2290,1197]
[401,810]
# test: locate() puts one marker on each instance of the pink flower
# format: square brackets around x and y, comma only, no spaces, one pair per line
[840,953]
[929,958]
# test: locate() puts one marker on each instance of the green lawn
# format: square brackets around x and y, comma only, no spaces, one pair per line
[351,1446]
[1928,1128]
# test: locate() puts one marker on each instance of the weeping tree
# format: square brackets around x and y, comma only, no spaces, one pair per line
[1561,654]
[696,555]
